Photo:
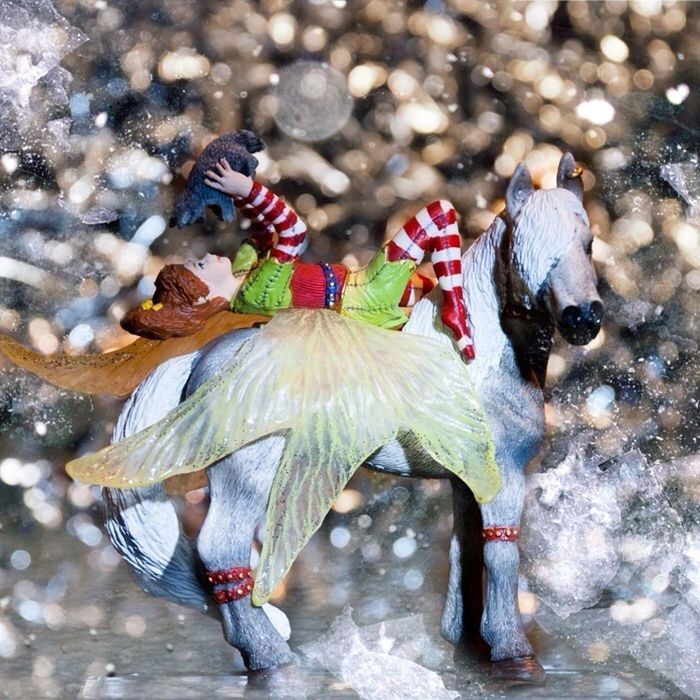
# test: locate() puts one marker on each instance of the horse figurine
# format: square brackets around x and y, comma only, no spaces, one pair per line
[529,274]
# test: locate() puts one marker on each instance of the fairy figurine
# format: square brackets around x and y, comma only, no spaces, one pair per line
[266,276]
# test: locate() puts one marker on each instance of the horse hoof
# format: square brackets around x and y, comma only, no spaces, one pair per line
[284,681]
[522,669]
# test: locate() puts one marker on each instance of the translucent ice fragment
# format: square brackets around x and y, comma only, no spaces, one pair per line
[380,661]
[673,651]
[570,532]
[405,637]
[685,180]
[378,676]
[99,215]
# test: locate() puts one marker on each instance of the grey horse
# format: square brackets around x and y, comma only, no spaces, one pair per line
[529,274]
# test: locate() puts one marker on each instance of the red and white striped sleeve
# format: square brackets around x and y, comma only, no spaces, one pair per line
[261,235]
[267,208]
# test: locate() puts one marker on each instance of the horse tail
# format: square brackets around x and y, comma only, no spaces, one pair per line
[142,523]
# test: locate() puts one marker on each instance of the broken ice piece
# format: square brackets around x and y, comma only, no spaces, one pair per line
[375,675]
[685,180]
[35,38]
[99,215]
[376,661]
[407,638]
[570,536]
[668,651]
[337,640]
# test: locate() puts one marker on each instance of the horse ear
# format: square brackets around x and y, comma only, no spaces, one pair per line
[519,189]
[569,176]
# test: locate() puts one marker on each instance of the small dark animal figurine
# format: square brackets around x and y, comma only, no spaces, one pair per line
[236,147]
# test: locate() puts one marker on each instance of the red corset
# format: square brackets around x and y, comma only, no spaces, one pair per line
[312,287]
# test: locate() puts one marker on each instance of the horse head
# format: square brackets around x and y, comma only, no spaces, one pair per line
[549,252]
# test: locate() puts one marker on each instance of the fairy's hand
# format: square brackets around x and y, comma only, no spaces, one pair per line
[225,179]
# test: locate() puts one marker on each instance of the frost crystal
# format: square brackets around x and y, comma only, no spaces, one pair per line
[34,38]
[685,180]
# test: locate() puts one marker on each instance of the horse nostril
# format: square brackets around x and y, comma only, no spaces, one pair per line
[580,324]
[592,315]
[596,313]
[572,317]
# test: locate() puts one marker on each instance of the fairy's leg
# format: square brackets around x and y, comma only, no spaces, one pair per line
[434,229]
[418,286]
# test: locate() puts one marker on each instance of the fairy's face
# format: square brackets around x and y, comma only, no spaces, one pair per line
[215,272]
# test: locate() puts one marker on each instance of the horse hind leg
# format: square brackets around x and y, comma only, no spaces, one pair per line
[239,489]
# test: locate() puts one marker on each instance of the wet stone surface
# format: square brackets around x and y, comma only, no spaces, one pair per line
[114,641]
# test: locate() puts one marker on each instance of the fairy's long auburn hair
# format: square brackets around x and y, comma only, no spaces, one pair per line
[178,290]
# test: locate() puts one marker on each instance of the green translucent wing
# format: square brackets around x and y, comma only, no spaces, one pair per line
[224,414]
[339,389]
[375,383]
[326,447]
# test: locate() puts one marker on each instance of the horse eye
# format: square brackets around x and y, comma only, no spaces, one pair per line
[201,265]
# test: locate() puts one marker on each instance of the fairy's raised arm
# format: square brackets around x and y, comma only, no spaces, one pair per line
[265,207]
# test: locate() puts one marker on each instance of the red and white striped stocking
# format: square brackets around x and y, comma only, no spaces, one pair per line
[434,230]
[418,287]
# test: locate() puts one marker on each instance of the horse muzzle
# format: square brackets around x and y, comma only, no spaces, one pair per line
[578,325]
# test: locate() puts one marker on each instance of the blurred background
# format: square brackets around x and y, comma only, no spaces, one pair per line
[369,109]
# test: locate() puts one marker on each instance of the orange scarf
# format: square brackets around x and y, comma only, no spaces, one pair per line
[118,372]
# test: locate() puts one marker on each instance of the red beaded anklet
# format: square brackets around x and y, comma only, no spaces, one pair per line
[238,581]
[229,575]
[500,533]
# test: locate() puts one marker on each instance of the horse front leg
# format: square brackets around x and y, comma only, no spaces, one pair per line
[239,489]
[501,625]
[461,616]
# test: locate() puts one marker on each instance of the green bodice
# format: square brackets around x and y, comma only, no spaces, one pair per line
[373,293]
